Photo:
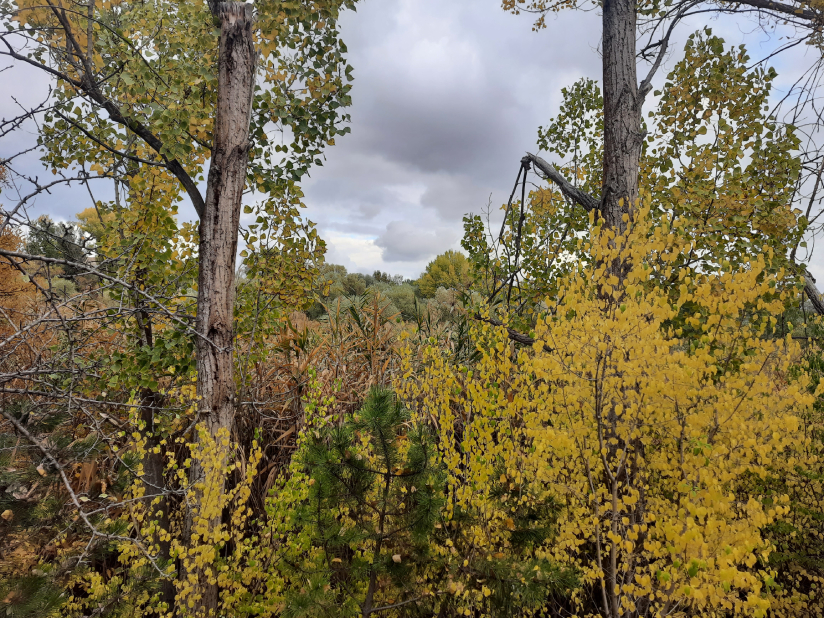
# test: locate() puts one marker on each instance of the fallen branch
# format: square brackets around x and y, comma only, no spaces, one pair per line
[513,334]
[812,292]
[567,188]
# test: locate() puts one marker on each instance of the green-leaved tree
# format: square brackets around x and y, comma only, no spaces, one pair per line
[450,270]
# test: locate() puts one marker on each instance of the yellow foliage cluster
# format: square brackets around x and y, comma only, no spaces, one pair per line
[648,414]
[209,545]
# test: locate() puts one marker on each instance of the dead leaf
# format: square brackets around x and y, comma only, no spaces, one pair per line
[7,515]
[396,558]
[17,490]
[88,472]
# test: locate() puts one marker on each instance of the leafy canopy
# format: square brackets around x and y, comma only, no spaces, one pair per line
[648,433]
[714,162]
[449,270]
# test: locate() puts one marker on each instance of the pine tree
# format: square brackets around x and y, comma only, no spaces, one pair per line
[376,494]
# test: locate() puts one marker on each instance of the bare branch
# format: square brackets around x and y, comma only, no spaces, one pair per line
[567,188]
[513,334]
[646,85]
[780,7]
[812,293]
[73,496]
[91,270]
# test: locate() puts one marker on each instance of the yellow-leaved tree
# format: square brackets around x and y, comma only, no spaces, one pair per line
[649,414]
[449,270]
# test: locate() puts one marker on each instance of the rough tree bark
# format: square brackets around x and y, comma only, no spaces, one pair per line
[812,293]
[219,225]
[622,113]
[621,166]
[217,255]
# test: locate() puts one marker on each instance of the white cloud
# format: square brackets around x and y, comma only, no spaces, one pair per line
[356,253]
[404,241]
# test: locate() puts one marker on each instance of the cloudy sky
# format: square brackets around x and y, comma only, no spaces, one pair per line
[448,95]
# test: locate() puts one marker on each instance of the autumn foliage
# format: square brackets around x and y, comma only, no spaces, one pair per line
[576,419]
[652,441]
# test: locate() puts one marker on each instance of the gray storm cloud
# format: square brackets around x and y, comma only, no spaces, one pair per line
[447,97]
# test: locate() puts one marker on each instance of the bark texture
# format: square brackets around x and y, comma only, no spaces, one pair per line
[622,158]
[622,113]
[218,250]
[219,225]
[813,294]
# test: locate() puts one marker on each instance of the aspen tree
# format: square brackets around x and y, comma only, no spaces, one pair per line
[191,90]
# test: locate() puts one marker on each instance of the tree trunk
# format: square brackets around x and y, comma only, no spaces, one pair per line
[622,113]
[155,499]
[216,277]
[154,491]
[622,159]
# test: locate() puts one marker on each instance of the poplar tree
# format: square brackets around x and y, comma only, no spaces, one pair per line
[186,93]
[639,34]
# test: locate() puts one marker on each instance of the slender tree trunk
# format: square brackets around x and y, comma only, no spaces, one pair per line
[155,499]
[219,226]
[216,278]
[622,160]
[622,113]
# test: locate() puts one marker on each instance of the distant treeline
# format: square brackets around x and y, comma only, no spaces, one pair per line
[444,278]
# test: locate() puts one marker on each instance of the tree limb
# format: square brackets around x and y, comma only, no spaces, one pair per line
[812,292]
[513,334]
[173,165]
[88,87]
[25,257]
[780,7]
[567,188]
[105,146]
[646,85]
